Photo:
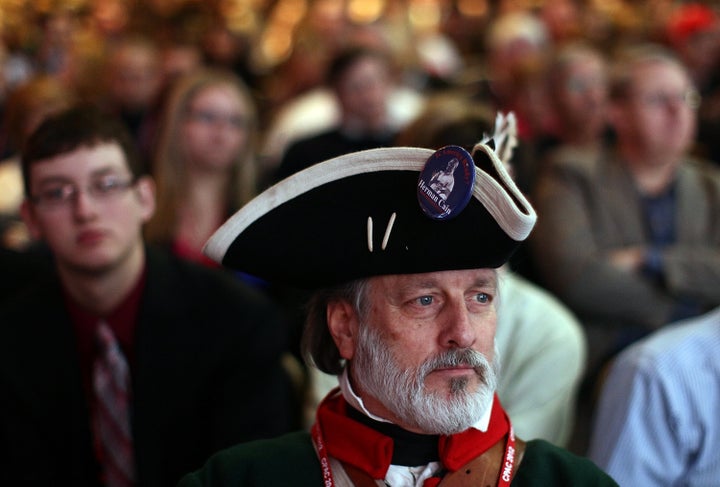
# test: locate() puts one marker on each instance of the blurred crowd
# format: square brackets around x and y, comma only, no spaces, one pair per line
[617,106]
[545,61]
[510,55]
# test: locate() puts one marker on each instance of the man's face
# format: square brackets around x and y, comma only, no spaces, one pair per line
[134,77]
[658,118]
[94,230]
[363,91]
[582,95]
[425,348]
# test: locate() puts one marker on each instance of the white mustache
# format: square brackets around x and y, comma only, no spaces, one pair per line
[457,358]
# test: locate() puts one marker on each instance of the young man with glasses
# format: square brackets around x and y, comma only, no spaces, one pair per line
[127,367]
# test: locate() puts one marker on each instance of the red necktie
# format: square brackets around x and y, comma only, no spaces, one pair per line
[111,384]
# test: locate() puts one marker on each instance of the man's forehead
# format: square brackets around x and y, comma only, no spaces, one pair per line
[83,161]
[662,69]
[467,277]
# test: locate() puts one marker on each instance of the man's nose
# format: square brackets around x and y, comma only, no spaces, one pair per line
[84,206]
[458,328]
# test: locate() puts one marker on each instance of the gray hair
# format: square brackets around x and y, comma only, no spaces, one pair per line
[318,346]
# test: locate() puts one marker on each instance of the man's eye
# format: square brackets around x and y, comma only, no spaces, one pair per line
[54,194]
[107,185]
[425,300]
[482,298]
[206,117]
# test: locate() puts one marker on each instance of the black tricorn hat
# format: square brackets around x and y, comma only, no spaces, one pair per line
[360,215]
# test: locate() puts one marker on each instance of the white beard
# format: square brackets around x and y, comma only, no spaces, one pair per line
[403,392]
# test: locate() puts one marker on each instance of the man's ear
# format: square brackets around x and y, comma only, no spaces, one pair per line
[27,212]
[146,195]
[343,325]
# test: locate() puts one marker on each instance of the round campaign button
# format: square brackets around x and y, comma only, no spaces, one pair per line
[446,182]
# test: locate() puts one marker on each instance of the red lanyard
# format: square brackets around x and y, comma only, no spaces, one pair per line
[504,479]
[322,455]
[506,469]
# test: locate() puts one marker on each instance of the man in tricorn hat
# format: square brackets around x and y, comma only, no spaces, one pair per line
[404,312]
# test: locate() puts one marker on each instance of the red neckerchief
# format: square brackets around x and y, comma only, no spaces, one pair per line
[363,447]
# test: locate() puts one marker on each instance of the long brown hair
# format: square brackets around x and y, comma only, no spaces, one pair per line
[170,161]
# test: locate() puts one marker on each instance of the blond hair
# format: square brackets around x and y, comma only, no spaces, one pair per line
[171,160]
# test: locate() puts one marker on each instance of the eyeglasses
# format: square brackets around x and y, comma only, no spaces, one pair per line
[689,97]
[214,118]
[583,85]
[62,194]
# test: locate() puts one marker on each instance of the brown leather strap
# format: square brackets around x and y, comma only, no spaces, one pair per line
[482,471]
[359,478]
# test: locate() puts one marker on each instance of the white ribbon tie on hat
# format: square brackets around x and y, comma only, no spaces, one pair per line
[386,237]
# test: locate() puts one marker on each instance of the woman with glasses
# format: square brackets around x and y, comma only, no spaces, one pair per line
[204,161]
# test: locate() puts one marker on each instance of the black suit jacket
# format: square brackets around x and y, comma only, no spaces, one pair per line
[18,268]
[207,375]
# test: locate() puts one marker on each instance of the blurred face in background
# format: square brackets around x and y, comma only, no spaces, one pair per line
[658,116]
[363,91]
[135,76]
[581,94]
[97,226]
[216,128]
[178,60]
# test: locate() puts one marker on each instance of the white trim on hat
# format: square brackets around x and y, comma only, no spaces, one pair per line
[515,221]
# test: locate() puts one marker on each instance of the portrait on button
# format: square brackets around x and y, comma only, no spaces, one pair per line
[443,181]
[446,182]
